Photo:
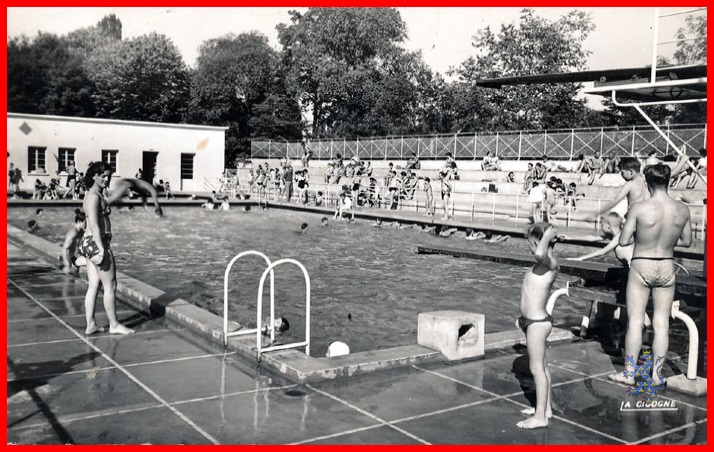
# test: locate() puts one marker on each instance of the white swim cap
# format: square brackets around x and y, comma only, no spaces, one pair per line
[337,348]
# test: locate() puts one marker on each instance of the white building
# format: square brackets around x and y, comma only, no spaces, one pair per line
[184,155]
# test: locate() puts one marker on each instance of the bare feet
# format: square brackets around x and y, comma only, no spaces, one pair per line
[532,422]
[621,378]
[531,411]
[120,329]
[93,328]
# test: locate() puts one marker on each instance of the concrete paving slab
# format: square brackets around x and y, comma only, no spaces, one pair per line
[495,423]
[275,417]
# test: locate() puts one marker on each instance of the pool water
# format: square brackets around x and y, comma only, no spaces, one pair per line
[367,283]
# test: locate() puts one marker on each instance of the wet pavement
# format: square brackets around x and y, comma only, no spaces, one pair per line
[166,385]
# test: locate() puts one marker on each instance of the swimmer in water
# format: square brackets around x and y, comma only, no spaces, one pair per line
[323,222]
[303,228]
[32,226]
[447,232]
[268,332]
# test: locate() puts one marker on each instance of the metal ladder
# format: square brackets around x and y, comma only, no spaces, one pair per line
[259,309]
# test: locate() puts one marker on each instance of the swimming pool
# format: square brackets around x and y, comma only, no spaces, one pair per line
[367,284]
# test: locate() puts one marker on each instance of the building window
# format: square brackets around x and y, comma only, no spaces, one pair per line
[110,156]
[187,166]
[36,159]
[64,156]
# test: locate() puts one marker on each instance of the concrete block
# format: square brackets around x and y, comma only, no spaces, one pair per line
[456,334]
[680,383]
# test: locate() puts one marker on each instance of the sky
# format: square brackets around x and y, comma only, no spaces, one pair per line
[622,38]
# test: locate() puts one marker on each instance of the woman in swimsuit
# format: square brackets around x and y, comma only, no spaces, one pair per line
[95,248]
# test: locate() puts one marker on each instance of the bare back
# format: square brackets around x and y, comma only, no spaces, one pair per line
[638,191]
[659,223]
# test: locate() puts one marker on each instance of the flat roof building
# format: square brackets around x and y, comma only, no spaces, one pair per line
[184,155]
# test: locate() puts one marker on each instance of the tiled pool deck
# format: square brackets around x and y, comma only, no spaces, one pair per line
[167,385]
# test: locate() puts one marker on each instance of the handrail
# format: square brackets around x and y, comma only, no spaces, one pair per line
[226,334]
[306,342]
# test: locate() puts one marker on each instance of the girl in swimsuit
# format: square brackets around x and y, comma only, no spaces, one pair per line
[95,248]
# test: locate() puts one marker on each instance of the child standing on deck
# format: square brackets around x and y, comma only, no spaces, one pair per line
[535,321]
[429,197]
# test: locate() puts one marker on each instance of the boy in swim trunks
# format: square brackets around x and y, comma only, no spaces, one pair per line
[655,226]
[634,189]
[535,321]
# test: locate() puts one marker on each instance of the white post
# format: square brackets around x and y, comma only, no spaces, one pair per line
[493,208]
[655,33]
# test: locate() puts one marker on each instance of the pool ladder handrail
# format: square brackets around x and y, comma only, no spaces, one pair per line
[306,342]
[241,332]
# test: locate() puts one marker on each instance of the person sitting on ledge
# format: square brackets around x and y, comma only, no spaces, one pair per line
[490,162]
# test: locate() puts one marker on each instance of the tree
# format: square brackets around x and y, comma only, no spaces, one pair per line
[349,73]
[142,79]
[692,41]
[532,46]
[46,77]
[692,49]
[238,83]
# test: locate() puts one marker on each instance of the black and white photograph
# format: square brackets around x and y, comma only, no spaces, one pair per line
[356,225]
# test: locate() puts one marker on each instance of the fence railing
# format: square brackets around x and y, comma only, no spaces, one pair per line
[513,145]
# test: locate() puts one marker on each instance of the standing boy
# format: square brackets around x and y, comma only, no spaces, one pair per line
[535,321]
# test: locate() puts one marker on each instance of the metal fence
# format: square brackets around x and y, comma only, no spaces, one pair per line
[513,145]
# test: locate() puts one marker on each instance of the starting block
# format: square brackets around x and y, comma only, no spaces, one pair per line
[456,334]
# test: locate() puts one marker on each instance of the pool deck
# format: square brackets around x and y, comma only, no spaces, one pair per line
[168,384]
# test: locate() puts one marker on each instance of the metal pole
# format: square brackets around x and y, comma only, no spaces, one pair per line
[655,33]
[520,139]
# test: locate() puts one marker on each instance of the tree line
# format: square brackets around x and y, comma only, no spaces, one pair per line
[339,72]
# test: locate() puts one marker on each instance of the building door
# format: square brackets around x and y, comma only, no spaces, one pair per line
[148,166]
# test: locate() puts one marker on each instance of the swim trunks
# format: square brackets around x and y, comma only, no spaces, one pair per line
[524,323]
[655,271]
